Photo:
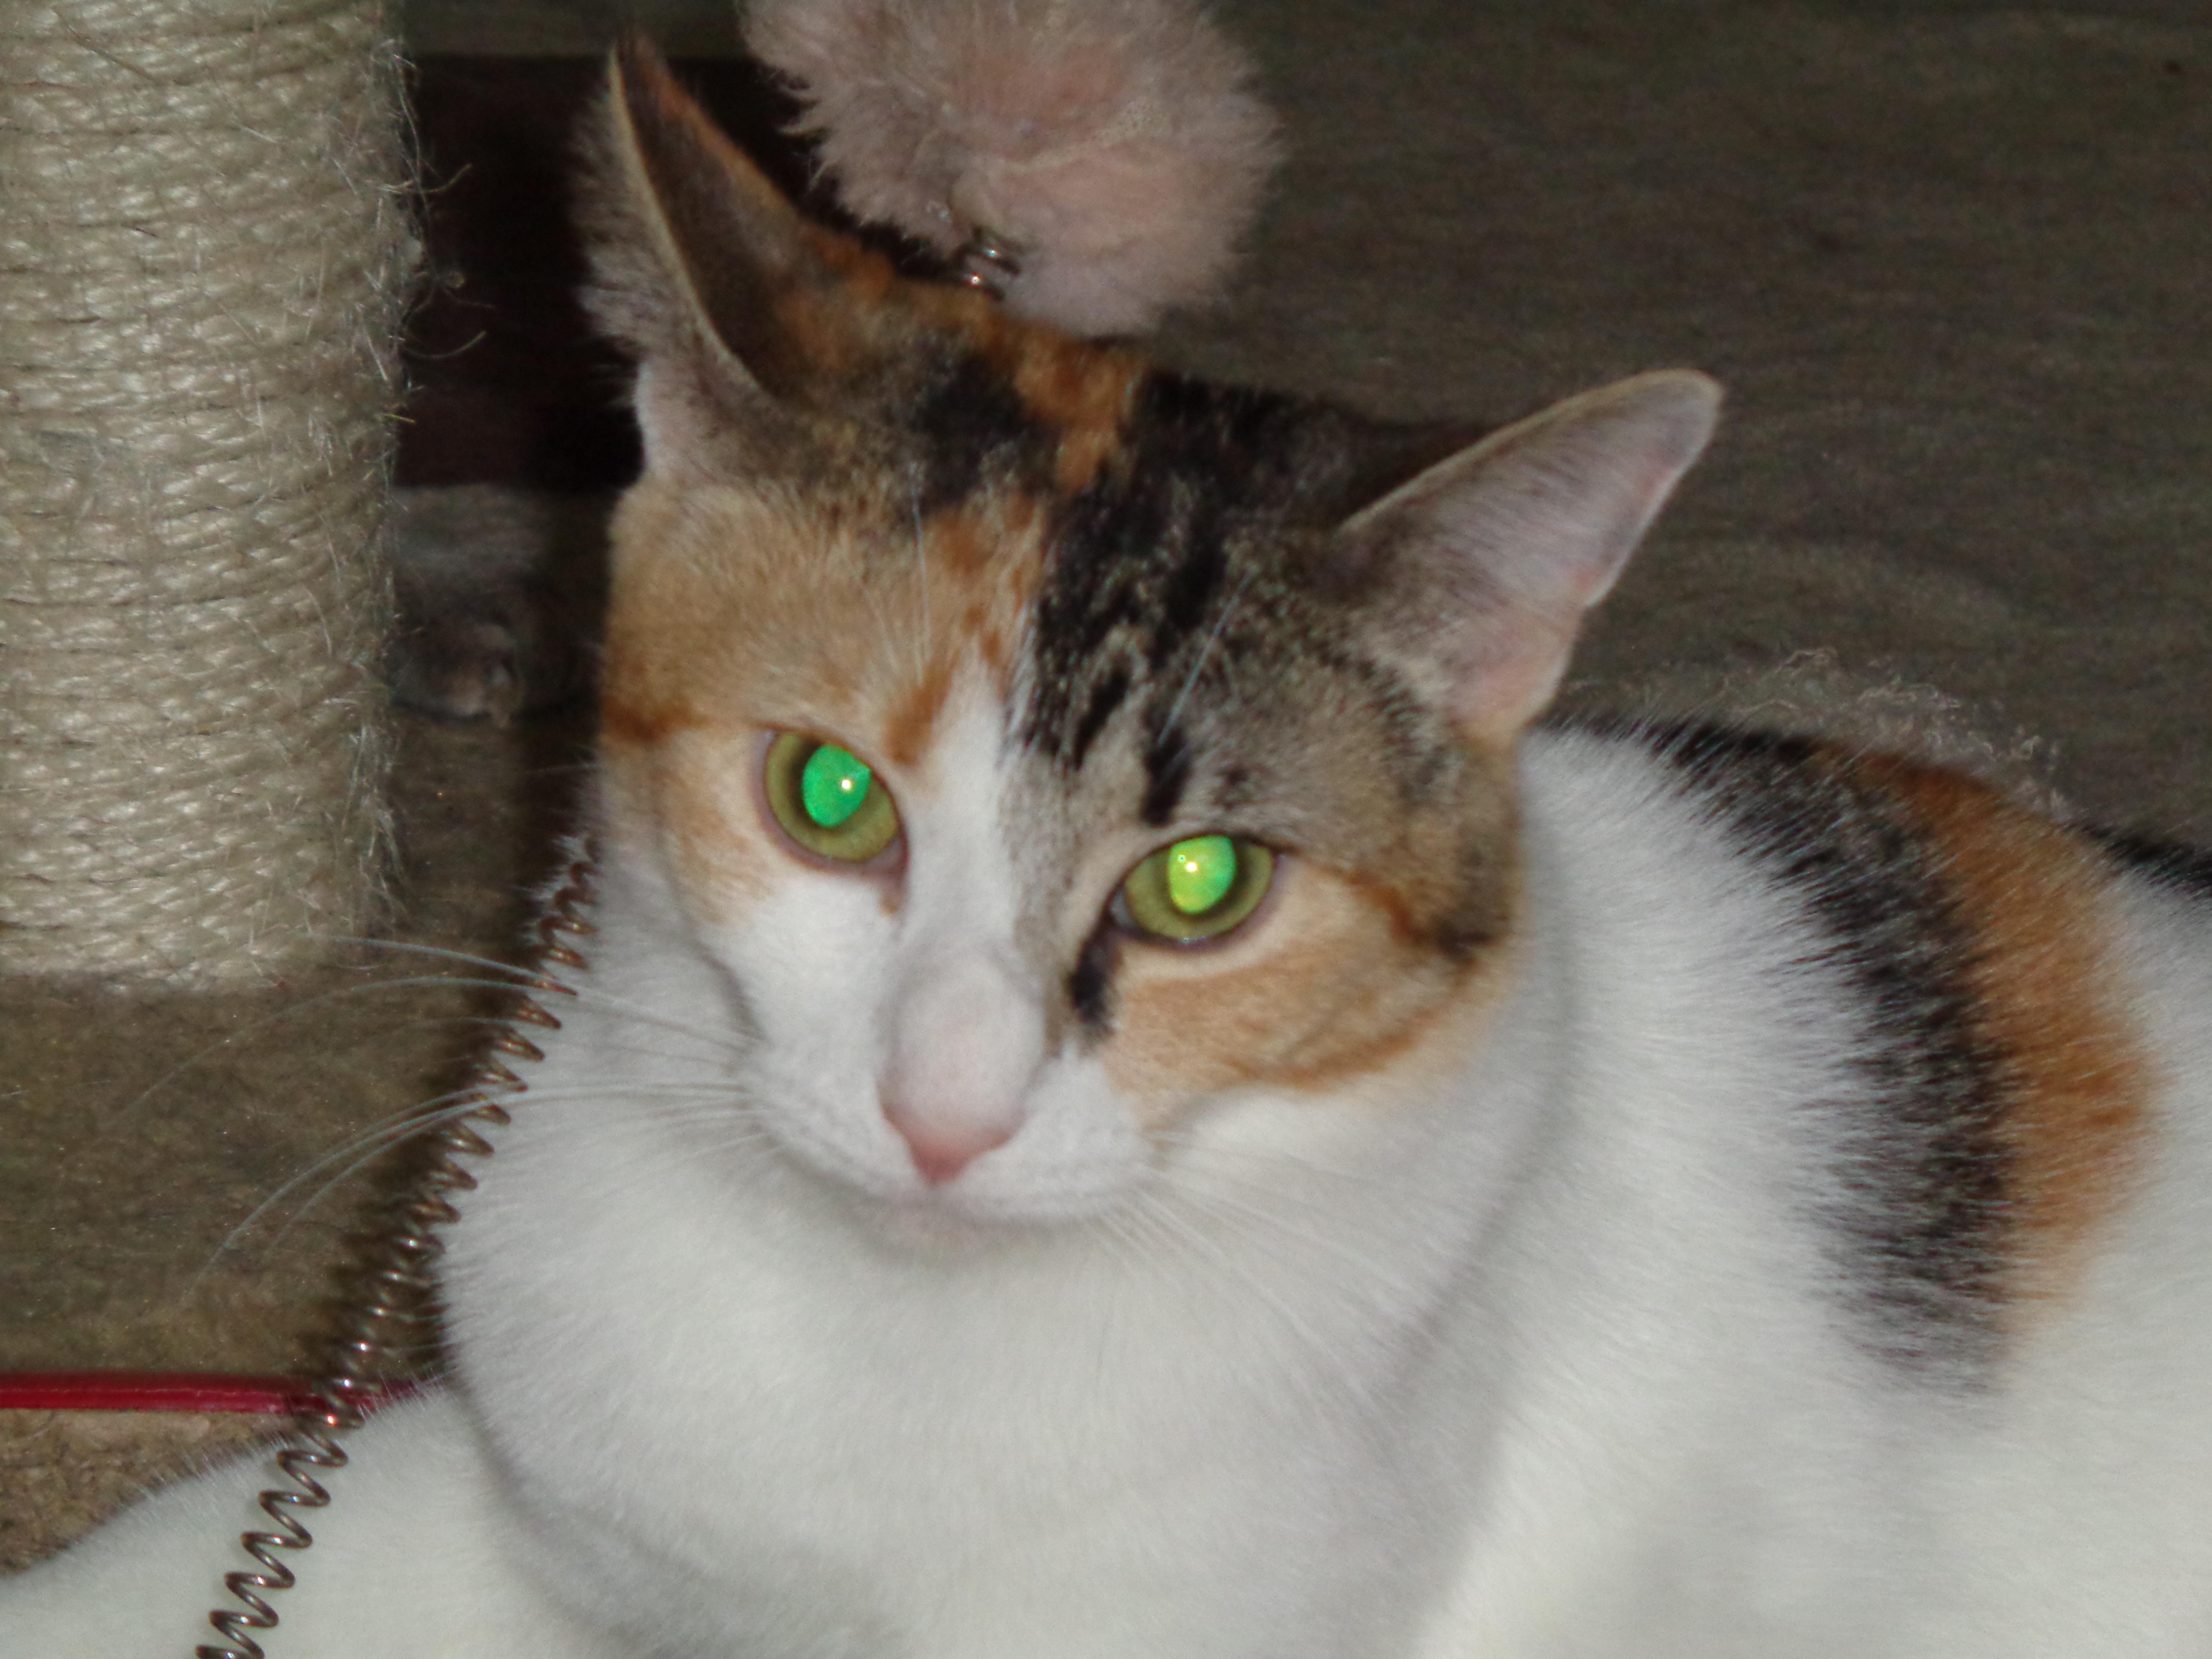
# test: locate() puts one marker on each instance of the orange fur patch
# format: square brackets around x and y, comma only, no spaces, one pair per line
[870,276]
[628,727]
[1080,391]
[2073,1073]
[985,561]
[906,733]
[1325,987]
[735,612]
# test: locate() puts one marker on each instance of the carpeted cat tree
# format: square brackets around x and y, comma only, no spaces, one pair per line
[203,256]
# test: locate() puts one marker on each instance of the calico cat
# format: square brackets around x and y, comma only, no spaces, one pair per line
[1126,1101]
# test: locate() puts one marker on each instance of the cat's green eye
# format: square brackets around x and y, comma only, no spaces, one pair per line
[1196,888]
[826,799]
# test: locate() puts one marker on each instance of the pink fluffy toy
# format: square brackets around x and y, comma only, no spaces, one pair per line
[1095,161]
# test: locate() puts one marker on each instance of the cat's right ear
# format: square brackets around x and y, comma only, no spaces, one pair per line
[1486,561]
[743,317]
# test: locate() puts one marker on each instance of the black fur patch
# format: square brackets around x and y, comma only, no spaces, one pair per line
[2170,863]
[1090,982]
[1107,697]
[1144,558]
[1167,774]
[973,424]
[1923,1228]
[1186,596]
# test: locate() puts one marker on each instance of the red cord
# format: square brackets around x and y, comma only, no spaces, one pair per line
[166,1391]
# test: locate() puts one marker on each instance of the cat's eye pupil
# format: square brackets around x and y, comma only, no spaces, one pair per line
[1199,872]
[826,800]
[1204,887]
[833,785]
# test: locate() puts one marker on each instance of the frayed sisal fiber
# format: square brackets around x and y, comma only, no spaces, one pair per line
[204,246]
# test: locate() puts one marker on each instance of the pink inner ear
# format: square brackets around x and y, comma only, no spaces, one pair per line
[1523,532]
[1514,681]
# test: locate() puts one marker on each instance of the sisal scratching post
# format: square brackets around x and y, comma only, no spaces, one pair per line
[203,251]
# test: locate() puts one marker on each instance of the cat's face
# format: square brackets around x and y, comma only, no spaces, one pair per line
[1060,756]
[1111,858]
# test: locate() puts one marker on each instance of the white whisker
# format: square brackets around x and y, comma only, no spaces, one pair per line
[292,1011]
[584,993]
[1325,1368]
[490,965]
[712,1100]
[922,566]
[1205,648]
[1224,1203]
[1192,1145]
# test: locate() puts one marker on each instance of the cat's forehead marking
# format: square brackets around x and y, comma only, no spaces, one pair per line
[914,714]
[1002,399]
[1139,572]
[1180,614]
[1083,394]
[975,576]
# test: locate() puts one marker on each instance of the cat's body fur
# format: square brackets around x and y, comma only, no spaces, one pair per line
[1626,1193]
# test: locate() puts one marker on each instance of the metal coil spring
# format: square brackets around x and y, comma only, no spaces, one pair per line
[400,1280]
[988,261]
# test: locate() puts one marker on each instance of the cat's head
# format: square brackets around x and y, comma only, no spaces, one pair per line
[1060,754]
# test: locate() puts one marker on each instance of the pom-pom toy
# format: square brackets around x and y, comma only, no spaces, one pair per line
[1094,161]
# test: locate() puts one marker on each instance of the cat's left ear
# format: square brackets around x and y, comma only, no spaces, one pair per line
[745,318]
[1490,558]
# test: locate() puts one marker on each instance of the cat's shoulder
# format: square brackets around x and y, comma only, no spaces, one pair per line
[1820,811]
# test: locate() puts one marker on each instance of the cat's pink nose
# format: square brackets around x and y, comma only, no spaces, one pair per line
[942,1150]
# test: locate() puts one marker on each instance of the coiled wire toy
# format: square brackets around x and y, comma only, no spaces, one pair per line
[988,261]
[400,1280]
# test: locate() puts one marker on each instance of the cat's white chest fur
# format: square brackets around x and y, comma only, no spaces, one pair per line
[1141,1435]
[1527,1366]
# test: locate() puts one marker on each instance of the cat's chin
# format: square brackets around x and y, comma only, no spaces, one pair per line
[934,1223]
[980,1210]
[949,1218]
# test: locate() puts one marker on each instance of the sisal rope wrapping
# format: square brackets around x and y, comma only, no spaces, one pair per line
[204,252]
